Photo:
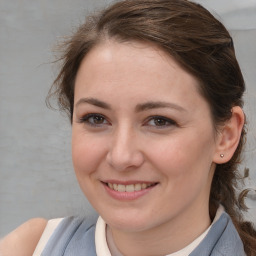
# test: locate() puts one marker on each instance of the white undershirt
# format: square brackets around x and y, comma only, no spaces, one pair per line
[105,243]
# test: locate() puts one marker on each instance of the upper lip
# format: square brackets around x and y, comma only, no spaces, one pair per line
[128,182]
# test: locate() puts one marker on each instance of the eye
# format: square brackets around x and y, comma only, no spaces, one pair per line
[160,122]
[94,119]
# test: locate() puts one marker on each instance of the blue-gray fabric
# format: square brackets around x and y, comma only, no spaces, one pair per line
[75,236]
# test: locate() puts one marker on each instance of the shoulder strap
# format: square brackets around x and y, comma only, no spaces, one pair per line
[48,231]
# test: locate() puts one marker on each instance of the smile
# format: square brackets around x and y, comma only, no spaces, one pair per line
[130,187]
[129,190]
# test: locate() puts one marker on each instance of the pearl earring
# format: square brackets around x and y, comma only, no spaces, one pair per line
[221,155]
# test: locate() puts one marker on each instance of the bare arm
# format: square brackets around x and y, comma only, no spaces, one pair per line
[23,240]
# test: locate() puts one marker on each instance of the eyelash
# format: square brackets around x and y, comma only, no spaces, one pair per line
[167,121]
[86,119]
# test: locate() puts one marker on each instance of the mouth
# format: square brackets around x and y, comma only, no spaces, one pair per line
[130,187]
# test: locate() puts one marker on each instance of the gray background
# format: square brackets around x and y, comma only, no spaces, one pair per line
[36,175]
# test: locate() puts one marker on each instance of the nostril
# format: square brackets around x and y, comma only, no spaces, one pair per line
[121,160]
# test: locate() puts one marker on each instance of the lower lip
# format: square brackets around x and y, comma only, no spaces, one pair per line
[127,196]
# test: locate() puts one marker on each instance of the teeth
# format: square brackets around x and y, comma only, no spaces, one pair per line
[144,185]
[137,187]
[115,187]
[121,188]
[129,188]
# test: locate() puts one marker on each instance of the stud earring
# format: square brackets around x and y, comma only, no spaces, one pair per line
[221,155]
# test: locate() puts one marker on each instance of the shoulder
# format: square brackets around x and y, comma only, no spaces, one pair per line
[229,242]
[23,240]
[76,223]
[75,233]
[221,240]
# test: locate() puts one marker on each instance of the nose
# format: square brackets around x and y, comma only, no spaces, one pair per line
[124,151]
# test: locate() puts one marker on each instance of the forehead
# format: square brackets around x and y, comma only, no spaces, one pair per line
[135,69]
[131,56]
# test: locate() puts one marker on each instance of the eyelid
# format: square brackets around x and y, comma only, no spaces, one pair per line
[170,121]
[85,119]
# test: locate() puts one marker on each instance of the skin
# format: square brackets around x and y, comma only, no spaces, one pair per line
[127,143]
[23,240]
[120,142]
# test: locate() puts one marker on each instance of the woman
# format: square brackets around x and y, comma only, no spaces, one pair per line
[154,94]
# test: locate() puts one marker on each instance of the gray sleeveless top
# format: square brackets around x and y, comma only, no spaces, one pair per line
[75,236]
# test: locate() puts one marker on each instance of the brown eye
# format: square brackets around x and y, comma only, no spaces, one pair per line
[160,122]
[98,119]
[94,120]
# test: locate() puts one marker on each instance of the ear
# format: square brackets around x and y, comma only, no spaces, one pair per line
[229,136]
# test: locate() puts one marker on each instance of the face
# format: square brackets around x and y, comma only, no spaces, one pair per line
[143,140]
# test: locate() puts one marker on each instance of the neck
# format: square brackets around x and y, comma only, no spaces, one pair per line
[163,239]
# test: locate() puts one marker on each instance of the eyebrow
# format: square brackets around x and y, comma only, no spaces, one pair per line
[157,104]
[93,101]
[139,108]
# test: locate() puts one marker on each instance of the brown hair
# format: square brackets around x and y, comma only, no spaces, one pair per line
[201,45]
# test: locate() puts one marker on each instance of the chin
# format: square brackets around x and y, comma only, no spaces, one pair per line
[128,221]
[128,225]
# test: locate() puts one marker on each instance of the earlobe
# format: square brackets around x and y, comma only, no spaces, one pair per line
[229,136]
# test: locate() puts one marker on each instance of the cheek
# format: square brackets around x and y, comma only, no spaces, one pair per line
[185,165]
[86,154]
[184,156]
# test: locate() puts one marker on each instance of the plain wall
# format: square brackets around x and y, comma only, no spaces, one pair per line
[36,174]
